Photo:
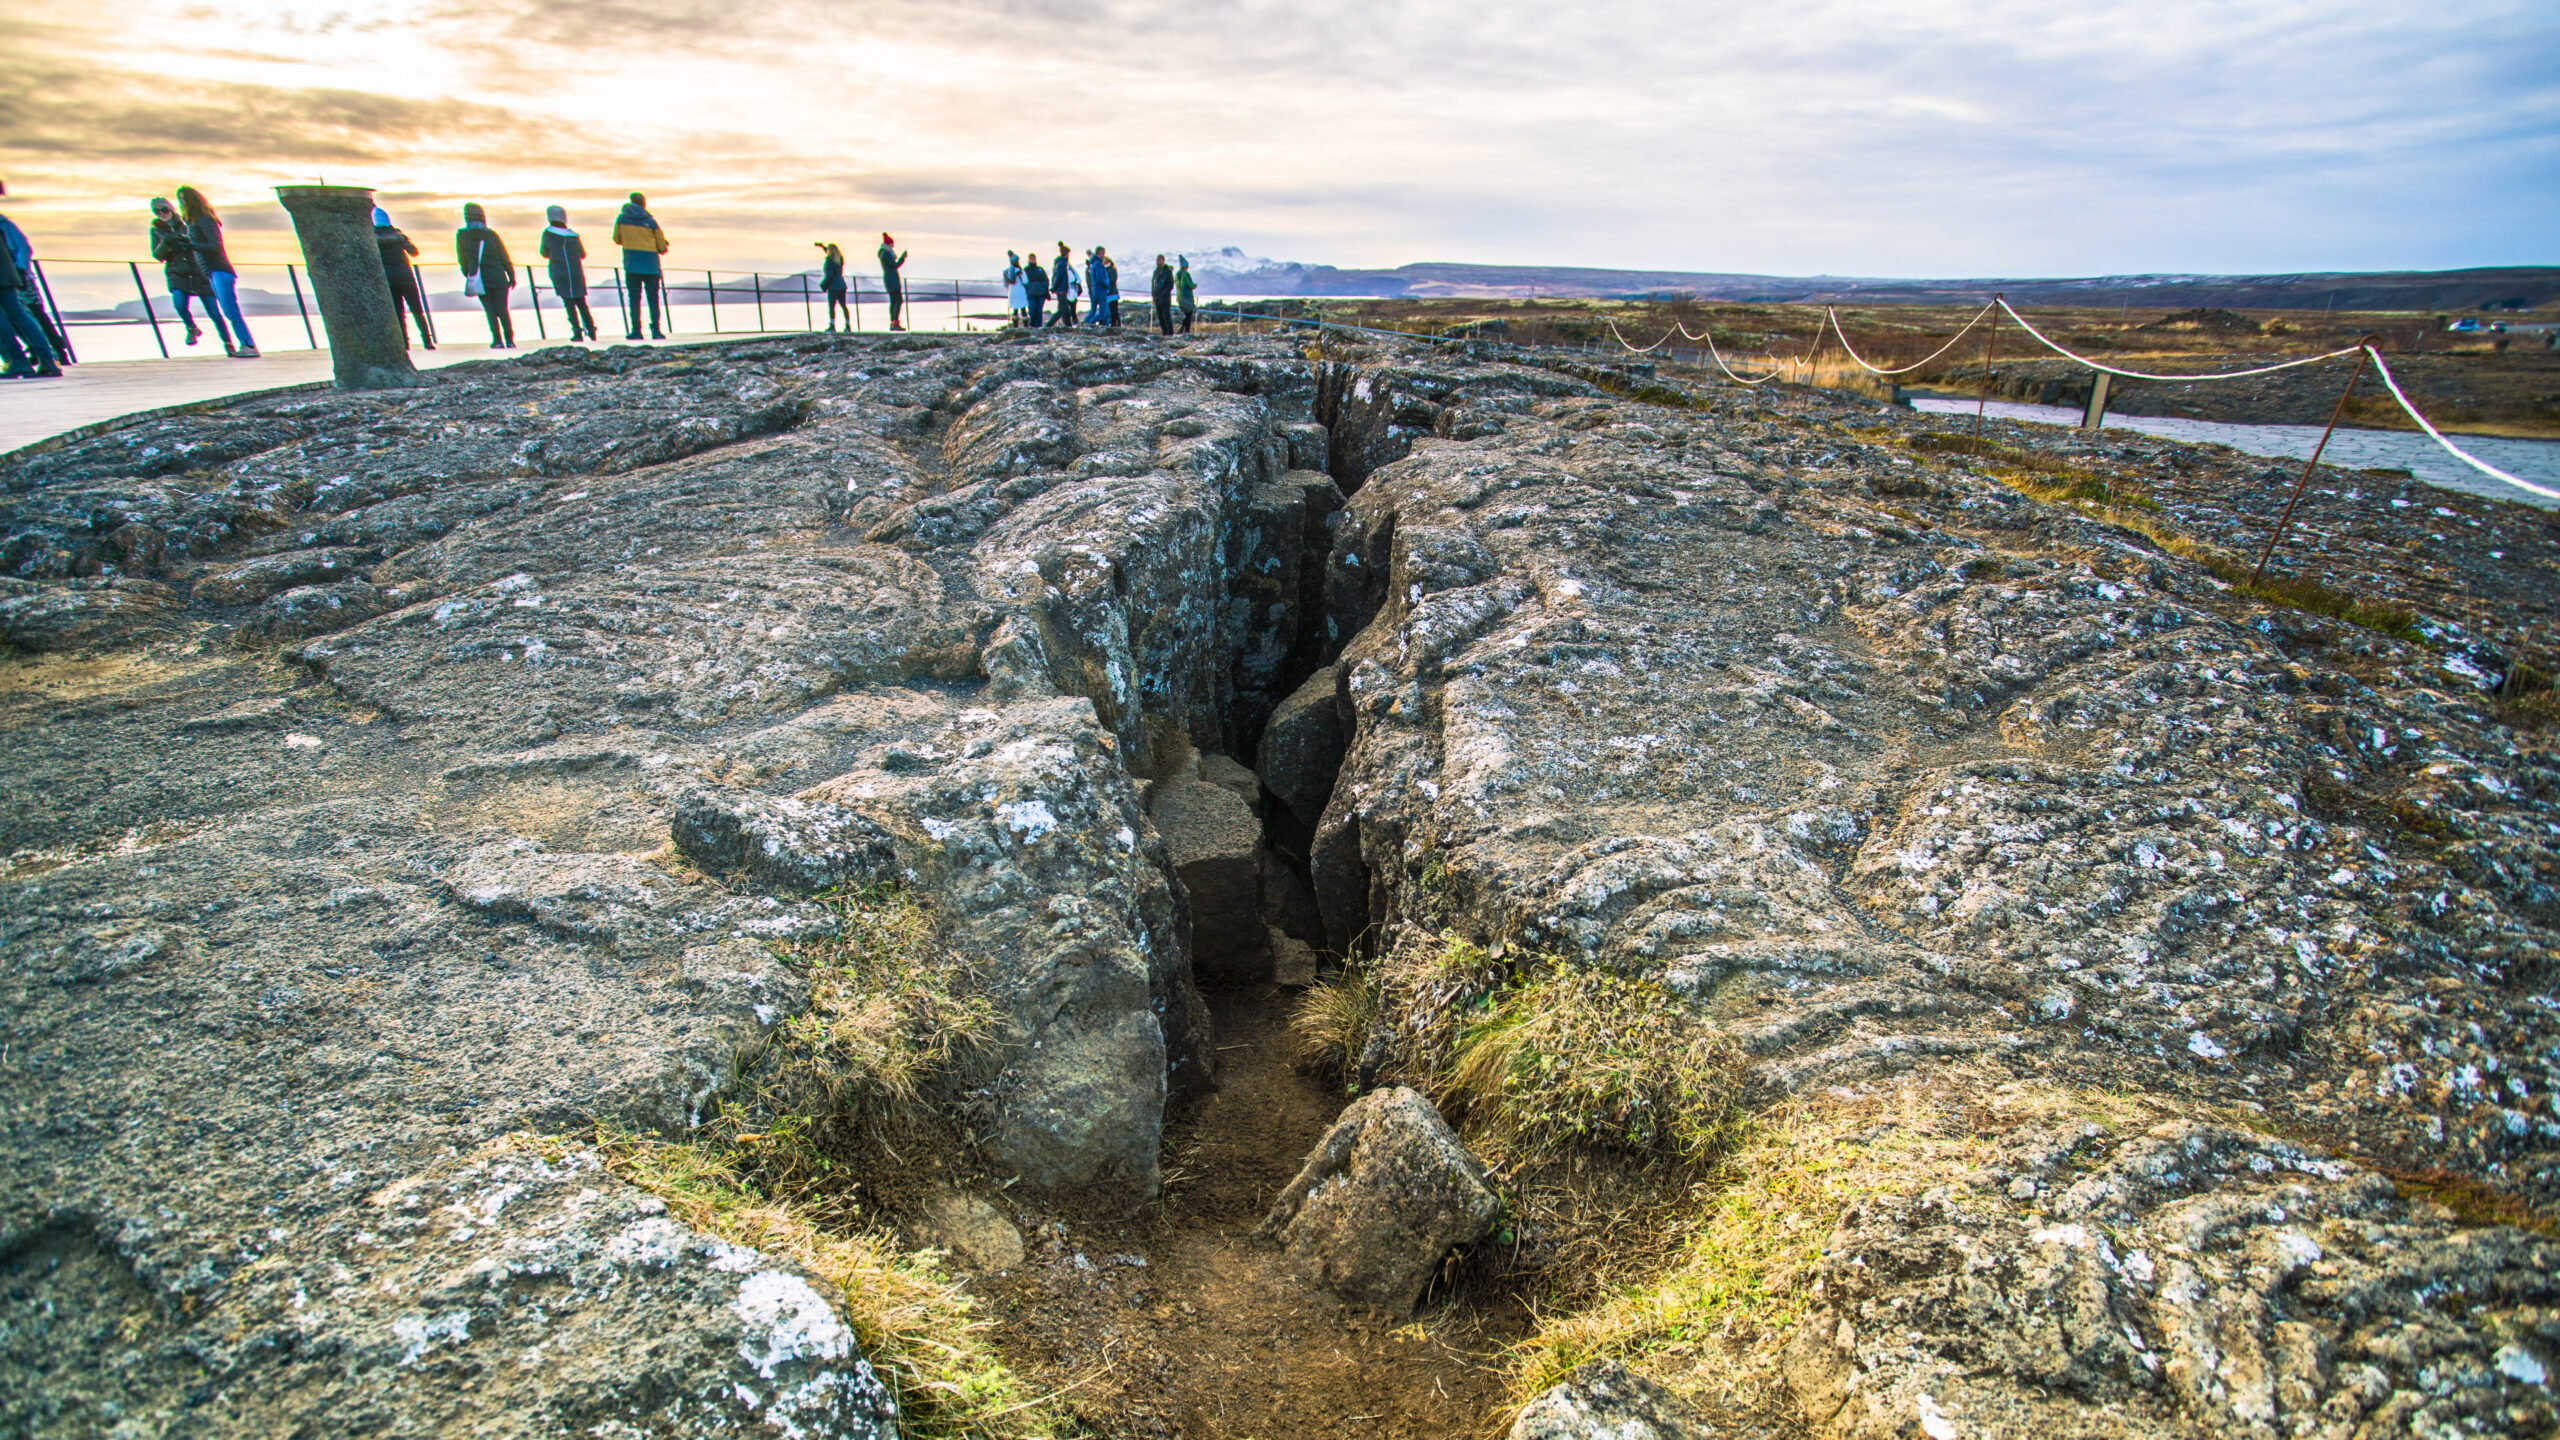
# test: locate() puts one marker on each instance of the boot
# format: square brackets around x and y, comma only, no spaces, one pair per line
[194,334]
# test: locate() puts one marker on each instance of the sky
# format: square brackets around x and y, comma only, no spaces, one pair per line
[1839,137]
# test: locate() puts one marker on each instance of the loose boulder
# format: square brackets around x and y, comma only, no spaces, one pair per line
[1217,851]
[1605,1400]
[1382,1200]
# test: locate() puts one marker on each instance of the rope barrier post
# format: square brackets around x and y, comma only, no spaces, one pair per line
[148,313]
[1982,402]
[2094,418]
[305,309]
[2362,352]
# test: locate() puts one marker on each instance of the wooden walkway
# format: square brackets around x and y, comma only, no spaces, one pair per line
[33,410]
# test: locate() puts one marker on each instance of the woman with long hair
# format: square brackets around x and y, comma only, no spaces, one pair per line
[184,272]
[485,261]
[831,280]
[204,233]
[567,256]
[1014,293]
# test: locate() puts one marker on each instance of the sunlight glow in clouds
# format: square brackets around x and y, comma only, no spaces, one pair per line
[1988,137]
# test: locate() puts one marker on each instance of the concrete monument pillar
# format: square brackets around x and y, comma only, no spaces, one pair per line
[335,224]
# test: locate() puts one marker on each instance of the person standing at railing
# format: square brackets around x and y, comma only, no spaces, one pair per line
[204,232]
[1111,286]
[892,260]
[398,250]
[1064,284]
[488,272]
[831,280]
[1160,290]
[1015,295]
[1035,286]
[24,354]
[642,242]
[22,252]
[1186,294]
[567,256]
[185,274]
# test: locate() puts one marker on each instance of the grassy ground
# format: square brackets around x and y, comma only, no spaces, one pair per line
[894,1018]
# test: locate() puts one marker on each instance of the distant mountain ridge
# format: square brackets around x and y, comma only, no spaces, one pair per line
[1231,272]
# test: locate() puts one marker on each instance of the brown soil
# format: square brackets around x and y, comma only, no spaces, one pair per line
[1178,1322]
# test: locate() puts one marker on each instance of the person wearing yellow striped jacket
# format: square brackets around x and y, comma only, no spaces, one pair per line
[642,242]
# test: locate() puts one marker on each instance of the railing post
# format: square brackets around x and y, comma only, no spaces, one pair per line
[853,287]
[622,298]
[808,317]
[759,302]
[148,313]
[958,321]
[298,305]
[61,331]
[426,306]
[712,293]
[533,292]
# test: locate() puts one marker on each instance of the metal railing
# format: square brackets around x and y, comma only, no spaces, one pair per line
[116,303]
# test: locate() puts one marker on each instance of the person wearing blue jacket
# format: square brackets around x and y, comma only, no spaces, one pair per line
[642,242]
[1097,287]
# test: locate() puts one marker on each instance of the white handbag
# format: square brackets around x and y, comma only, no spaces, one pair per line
[472,284]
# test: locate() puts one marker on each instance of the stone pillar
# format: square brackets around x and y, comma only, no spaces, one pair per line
[335,224]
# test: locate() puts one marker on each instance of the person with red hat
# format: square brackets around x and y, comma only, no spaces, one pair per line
[891,257]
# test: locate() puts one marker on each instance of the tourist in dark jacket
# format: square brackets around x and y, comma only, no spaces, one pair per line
[485,260]
[1097,287]
[1160,289]
[204,232]
[184,273]
[398,251]
[642,242]
[892,260]
[1110,285]
[831,280]
[1035,286]
[1062,284]
[1186,294]
[22,253]
[566,254]
[24,352]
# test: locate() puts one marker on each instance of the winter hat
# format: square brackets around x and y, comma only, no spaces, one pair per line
[557,216]
[381,216]
[474,215]
[885,240]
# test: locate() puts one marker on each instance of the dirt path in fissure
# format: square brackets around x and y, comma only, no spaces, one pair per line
[1179,1322]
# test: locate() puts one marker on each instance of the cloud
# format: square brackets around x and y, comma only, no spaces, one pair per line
[1849,136]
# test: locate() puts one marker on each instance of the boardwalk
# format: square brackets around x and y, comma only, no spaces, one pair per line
[33,410]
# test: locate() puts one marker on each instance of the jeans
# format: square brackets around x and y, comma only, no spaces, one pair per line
[646,300]
[1164,313]
[1038,303]
[184,303]
[897,306]
[1187,312]
[417,306]
[226,294]
[837,305]
[575,307]
[22,342]
[502,326]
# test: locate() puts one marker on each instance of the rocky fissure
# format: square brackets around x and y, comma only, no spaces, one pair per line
[407,785]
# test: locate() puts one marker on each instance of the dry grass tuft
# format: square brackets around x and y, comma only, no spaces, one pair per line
[1330,1025]
[892,1014]
[922,1335]
[1709,1323]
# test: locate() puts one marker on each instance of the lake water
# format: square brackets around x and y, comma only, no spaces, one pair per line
[2534,460]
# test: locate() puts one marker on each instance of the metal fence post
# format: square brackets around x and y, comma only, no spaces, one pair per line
[958,321]
[712,293]
[853,287]
[533,292]
[426,307]
[44,287]
[623,299]
[147,312]
[808,317]
[298,305]
[759,302]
